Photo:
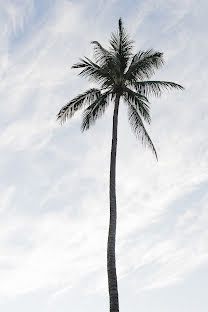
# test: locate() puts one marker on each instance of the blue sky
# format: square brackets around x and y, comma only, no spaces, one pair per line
[54,180]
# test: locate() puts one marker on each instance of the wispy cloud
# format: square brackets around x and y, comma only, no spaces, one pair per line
[54,180]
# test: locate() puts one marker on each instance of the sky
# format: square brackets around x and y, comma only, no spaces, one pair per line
[54,207]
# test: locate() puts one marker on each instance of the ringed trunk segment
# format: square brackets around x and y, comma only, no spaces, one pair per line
[111,259]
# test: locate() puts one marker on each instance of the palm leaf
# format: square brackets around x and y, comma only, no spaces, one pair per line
[139,102]
[121,45]
[77,103]
[143,65]
[94,111]
[101,54]
[107,60]
[93,71]
[155,87]
[139,129]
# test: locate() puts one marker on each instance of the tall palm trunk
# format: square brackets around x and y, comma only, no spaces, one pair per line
[111,259]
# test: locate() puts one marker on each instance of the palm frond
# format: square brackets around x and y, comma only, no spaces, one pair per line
[139,102]
[93,71]
[101,54]
[139,129]
[155,87]
[94,111]
[143,65]
[68,110]
[108,62]
[121,45]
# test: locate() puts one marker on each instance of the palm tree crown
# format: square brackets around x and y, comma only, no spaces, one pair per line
[119,72]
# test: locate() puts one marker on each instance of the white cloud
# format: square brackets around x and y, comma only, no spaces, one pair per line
[6,197]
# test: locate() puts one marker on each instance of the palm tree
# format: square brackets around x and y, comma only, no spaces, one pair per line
[120,74]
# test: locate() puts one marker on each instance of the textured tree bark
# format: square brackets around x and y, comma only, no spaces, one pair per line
[111,259]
